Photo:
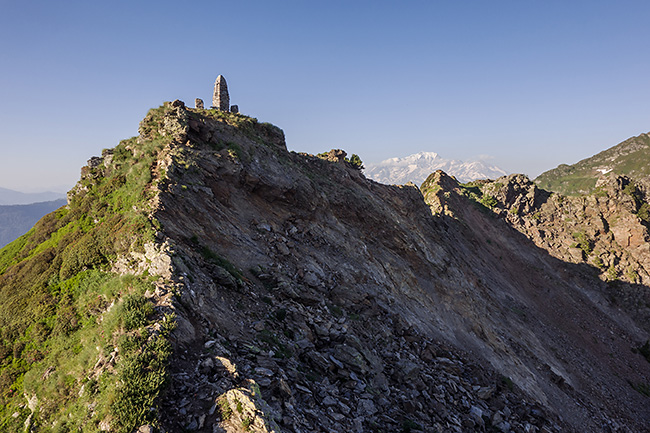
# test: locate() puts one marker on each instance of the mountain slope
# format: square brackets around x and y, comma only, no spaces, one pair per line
[305,298]
[417,167]
[10,197]
[316,245]
[629,158]
[606,232]
[16,220]
[78,346]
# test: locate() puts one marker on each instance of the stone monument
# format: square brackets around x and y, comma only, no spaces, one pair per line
[220,99]
[198,103]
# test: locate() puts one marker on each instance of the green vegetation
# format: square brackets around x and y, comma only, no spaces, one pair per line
[356,162]
[409,425]
[643,350]
[63,313]
[60,354]
[234,150]
[273,342]
[569,184]
[506,382]
[142,376]
[474,191]
[216,259]
[488,201]
[612,273]
[598,262]
[336,311]
[238,120]
[641,206]
[224,408]
[262,133]
[583,242]
[631,274]
[628,158]
[641,388]
[600,192]
[280,314]
[643,212]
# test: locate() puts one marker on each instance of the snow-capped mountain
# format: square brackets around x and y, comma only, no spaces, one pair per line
[416,168]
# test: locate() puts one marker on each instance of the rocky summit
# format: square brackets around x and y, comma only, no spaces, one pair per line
[203,278]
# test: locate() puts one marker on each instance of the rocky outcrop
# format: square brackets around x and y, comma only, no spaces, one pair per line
[606,230]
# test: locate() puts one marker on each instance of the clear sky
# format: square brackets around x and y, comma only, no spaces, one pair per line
[529,83]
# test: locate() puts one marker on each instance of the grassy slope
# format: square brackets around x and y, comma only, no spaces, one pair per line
[630,158]
[63,313]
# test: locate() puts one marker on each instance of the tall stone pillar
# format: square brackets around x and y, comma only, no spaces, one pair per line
[220,99]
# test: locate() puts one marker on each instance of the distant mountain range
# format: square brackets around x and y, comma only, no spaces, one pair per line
[630,158]
[416,168]
[16,220]
[11,197]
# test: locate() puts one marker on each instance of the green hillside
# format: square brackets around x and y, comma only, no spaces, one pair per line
[630,158]
[66,317]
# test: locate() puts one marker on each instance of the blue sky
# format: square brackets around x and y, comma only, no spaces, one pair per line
[530,83]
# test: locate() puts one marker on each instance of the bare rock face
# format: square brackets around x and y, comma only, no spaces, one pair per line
[221,99]
[336,155]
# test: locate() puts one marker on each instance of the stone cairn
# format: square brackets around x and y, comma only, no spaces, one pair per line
[221,99]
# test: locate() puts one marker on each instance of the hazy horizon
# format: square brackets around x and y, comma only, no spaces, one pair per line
[529,85]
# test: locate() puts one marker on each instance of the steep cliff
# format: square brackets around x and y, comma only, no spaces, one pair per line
[304,297]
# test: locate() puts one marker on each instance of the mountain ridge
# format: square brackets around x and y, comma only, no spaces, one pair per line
[280,291]
[10,197]
[16,220]
[629,158]
[417,167]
